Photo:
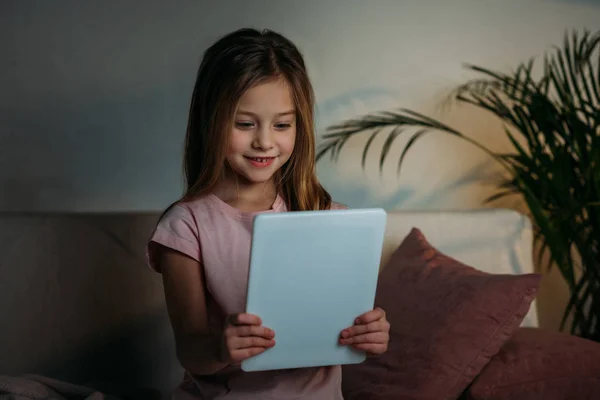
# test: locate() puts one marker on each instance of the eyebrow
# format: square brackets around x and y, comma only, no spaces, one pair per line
[281,114]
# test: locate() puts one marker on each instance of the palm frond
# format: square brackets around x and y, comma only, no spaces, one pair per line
[396,123]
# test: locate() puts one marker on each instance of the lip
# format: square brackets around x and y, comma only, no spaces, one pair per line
[260,162]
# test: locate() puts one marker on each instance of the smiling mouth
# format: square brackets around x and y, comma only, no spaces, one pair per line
[260,161]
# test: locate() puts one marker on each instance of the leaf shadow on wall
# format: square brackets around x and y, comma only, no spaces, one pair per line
[483,173]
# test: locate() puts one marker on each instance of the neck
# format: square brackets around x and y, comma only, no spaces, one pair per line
[246,196]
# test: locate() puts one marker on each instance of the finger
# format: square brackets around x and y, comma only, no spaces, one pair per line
[240,355]
[250,330]
[251,341]
[244,319]
[371,348]
[370,316]
[378,326]
[374,338]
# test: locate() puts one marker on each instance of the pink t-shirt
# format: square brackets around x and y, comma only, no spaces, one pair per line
[219,236]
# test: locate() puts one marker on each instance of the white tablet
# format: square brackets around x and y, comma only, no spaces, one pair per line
[311,274]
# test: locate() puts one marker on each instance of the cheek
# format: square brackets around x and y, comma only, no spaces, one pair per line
[237,142]
[287,145]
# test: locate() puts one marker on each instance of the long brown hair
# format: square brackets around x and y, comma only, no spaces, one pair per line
[235,63]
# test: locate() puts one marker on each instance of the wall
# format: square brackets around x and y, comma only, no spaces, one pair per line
[95,94]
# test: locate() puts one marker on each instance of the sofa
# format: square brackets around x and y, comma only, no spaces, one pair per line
[460,292]
[80,306]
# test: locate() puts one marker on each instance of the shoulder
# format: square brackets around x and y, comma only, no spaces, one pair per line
[178,219]
[178,229]
[338,206]
[193,211]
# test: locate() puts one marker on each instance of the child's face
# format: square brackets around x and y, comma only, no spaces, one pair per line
[264,131]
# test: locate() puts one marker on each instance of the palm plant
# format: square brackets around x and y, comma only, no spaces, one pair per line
[553,124]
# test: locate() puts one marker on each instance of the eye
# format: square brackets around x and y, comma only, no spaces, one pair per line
[283,126]
[244,124]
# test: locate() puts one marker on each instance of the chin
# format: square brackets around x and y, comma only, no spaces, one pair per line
[255,177]
[252,175]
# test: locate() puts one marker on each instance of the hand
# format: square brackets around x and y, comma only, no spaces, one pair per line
[244,337]
[370,333]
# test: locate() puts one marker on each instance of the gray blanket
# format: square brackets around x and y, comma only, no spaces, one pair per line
[30,387]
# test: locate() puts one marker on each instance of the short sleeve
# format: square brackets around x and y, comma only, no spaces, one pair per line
[176,230]
[338,206]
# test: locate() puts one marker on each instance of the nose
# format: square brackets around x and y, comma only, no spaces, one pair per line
[263,138]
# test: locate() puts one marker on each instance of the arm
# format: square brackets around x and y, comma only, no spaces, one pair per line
[183,279]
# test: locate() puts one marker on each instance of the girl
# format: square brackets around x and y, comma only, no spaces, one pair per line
[249,148]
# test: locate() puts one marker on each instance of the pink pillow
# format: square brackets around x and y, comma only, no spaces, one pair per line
[447,321]
[539,365]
